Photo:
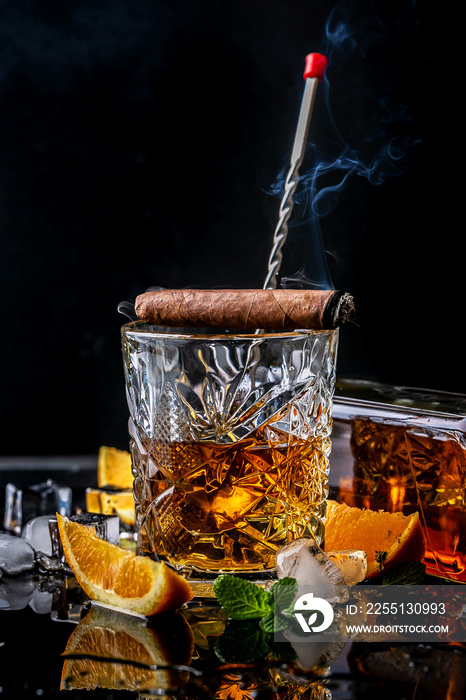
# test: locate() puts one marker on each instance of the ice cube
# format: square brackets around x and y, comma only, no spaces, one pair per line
[16,555]
[37,533]
[16,592]
[313,656]
[41,601]
[107,527]
[352,564]
[40,531]
[303,560]
[24,504]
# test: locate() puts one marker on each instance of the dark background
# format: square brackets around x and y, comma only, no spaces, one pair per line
[140,145]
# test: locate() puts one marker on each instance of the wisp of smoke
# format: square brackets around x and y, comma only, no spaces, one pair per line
[378,145]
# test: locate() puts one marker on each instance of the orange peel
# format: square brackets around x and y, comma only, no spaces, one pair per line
[389,539]
[119,578]
[114,468]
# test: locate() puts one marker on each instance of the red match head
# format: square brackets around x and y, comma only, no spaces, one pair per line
[315,66]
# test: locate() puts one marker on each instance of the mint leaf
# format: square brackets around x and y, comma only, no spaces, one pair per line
[274,622]
[241,642]
[244,641]
[284,593]
[267,623]
[405,574]
[241,599]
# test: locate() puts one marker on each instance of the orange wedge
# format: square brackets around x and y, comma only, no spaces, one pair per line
[114,468]
[109,502]
[118,577]
[389,539]
[110,650]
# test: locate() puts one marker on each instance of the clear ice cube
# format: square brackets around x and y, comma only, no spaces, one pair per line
[24,504]
[315,656]
[105,526]
[37,533]
[16,592]
[16,555]
[41,601]
[303,560]
[352,564]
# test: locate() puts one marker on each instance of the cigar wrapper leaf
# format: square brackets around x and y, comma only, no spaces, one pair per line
[246,309]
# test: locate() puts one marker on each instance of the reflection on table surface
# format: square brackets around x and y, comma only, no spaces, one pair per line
[54,641]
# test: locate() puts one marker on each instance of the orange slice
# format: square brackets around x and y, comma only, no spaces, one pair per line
[118,577]
[114,468]
[389,539]
[122,504]
[109,502]
[104,643]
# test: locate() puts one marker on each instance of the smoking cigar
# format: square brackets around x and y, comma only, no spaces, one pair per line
[277,309]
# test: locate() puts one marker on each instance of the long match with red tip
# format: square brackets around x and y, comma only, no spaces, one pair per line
[313,74]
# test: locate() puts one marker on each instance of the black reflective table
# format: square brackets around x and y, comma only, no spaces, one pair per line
[32,663]
[52,641]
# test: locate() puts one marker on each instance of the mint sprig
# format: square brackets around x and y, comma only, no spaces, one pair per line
[283,593]
[241,599]
[244,600]
[242,641]
[245,603]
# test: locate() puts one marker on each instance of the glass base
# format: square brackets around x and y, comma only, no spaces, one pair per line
[202,583]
